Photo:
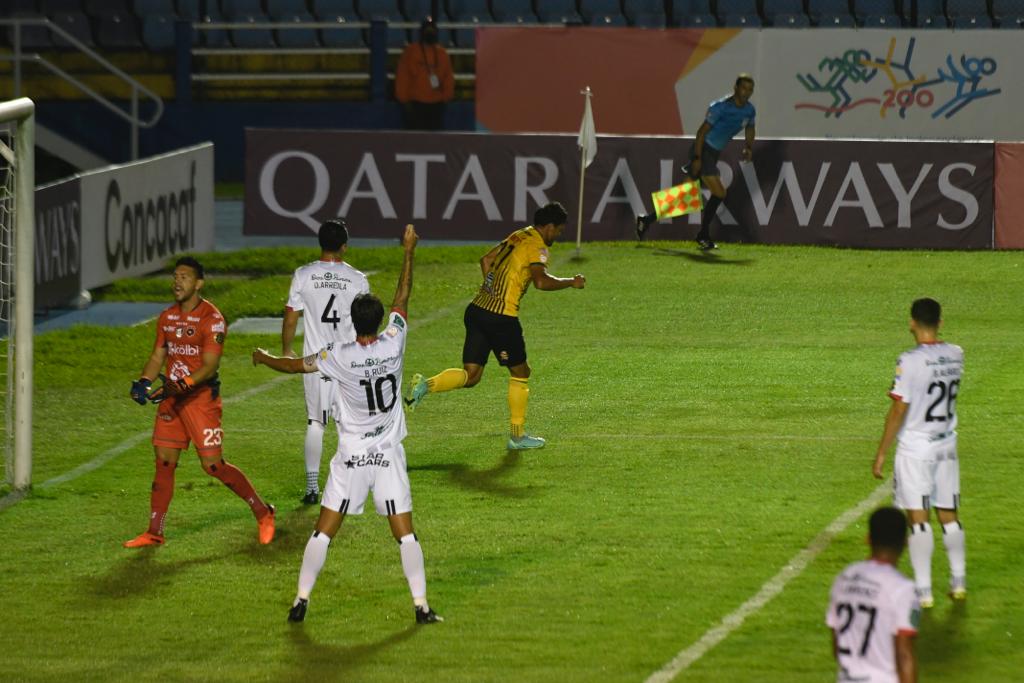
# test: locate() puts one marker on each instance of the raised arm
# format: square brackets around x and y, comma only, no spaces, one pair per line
[542,280]
[404,288]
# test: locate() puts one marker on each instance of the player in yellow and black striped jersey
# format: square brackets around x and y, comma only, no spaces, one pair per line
[492,319]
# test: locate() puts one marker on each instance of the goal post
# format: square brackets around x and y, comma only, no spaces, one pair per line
[17,220]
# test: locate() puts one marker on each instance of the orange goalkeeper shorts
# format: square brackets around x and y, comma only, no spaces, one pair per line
[195,418]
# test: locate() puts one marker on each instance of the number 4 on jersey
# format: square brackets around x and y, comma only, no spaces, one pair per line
[333,319]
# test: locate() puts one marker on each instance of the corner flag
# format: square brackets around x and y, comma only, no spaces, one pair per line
[588,135]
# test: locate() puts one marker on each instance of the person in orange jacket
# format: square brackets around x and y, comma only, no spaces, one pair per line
[424,81]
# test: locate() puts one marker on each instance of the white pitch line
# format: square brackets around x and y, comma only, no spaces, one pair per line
[135,439]
[769,590]
[129,443]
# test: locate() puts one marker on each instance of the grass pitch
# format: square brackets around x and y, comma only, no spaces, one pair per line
[707,417]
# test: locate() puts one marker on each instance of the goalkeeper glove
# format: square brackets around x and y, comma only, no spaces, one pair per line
[140,388]
[171,387]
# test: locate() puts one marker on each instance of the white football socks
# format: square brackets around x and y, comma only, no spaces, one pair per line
[922,544]
[953,538]
[412,565]
[312,562]
[313,450]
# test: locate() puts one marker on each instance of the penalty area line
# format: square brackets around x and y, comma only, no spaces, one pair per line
[687,656]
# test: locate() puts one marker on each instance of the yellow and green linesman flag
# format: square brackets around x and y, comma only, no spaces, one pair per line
[678,200]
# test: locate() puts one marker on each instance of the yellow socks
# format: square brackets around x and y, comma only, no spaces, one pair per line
[452,378]
[518,395]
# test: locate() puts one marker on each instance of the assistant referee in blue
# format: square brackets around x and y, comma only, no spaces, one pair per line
[725,117]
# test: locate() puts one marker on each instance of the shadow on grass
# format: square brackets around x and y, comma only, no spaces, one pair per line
[486,481]
[713,258]
[314,659]
[139,573]
[942,640]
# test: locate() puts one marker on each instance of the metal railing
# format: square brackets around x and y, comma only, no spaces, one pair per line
[18,57]
[377,44]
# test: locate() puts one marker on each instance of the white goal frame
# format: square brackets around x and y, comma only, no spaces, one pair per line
[21,112]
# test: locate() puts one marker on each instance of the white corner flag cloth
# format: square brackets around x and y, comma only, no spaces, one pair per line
[588,135]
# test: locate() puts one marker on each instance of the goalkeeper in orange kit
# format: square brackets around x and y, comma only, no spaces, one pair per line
[189,341]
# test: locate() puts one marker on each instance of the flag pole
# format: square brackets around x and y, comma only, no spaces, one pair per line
[583,168]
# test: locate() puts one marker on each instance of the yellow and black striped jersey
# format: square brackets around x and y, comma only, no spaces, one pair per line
[509,276]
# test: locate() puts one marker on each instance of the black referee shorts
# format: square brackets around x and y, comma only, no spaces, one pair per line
[487,332]
[708,159]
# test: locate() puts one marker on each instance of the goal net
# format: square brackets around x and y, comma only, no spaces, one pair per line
[17,186]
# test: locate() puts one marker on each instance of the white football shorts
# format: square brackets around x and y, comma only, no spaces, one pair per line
[319,396]
[380,469]
[927,477]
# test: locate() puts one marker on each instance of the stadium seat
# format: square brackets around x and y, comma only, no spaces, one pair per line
[23,8]
[609,20]
[76,24]
[32,37]
[881,21]
[591,9]
[341,37]
[190,10]
[145,8]
[791,20]
[417,10]
[466,37]
[296,37]
[819,8]
[559,11]
[240,10]
[734,8]
[927,8]
[287,8]
[932,21]
[96,8]
[966,8]
[213,37]
[864,8]
[508,10]
[963,22]
[1012,22]
[1008,8]
[650,20]
[118,32]
[329,10]
[632,8]
[251,38]
[51,7]
[741,21]
[470,8]
[380,9]
[158,32]
[836,21]
[773,8]
[699,21]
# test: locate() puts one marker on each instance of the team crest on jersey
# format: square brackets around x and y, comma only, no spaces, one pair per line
[543,255]
[178,333]
[391,331]
[190,332]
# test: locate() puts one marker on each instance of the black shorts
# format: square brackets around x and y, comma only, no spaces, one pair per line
[487,332]
[708,159]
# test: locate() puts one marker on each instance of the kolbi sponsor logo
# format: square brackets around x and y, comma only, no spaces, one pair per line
[183,349]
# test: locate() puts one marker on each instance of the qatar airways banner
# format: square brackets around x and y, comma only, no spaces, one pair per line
[862,83]
[136,216]
[481,187]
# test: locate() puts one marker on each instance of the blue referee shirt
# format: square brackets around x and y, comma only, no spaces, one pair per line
[726,119]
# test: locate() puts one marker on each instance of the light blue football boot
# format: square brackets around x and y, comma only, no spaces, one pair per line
[525,442]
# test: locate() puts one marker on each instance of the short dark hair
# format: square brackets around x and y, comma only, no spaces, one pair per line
[191,263]
[333,234]
[367,312]
[744,77]
[926,312]
[552,212]
[888,529]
